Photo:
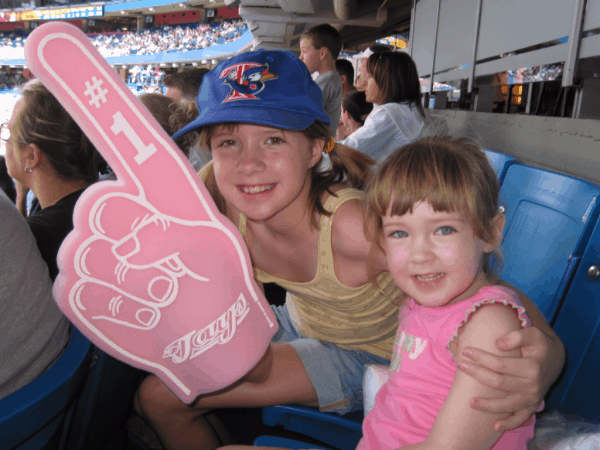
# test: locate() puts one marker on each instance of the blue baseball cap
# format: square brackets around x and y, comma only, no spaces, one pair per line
[265,87]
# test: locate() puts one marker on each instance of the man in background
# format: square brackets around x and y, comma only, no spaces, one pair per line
[185,84]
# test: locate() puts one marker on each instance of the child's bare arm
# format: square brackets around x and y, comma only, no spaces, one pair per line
[458,426]
[523,381]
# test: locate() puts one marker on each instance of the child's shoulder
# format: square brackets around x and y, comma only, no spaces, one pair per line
[495,301]
[344,202]
[493,312]
[347,230]
[329,76]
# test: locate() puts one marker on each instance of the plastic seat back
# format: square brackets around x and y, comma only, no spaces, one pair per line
[500,162]
[578,325]
[34,416]
[273,441]
[549,218]
[341,432]
[101,412]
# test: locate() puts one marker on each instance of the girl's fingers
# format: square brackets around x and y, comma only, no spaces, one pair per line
[514,420]
[522,368]
[531,341]
[490,361]
[513,384]
[510,404]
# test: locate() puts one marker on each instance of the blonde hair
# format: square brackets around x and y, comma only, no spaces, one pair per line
[347,166]
[451,174]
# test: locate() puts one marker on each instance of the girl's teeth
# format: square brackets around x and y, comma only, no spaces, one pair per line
[257,189]
[429,277]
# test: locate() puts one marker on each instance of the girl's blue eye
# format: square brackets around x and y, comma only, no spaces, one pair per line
[399,234]
[445,231]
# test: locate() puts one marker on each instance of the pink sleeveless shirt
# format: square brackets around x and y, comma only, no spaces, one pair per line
[422,372]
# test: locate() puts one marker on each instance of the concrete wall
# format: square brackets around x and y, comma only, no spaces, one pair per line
[570,146]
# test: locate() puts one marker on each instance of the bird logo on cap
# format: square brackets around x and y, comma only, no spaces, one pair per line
[246,80]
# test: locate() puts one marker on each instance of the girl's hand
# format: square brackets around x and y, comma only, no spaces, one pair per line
[525,380]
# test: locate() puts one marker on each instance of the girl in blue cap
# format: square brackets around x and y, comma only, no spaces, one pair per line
[261,116]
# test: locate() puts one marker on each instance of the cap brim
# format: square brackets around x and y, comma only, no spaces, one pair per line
[272,117]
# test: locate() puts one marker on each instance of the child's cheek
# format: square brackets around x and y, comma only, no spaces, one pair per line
[396,259]
[447,252]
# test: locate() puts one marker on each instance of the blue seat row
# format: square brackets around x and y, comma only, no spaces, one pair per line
[77,404]
[36,415]
[551,245]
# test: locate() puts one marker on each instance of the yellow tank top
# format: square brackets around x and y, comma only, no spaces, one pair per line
[361,318]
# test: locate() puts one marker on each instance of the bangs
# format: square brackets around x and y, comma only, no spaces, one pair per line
[451,178]
[208,131]
[318,130]
[424,174]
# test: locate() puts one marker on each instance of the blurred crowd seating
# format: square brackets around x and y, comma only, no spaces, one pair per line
[159,40]
[168,39]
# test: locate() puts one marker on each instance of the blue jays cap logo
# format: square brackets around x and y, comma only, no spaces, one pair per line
[246,80]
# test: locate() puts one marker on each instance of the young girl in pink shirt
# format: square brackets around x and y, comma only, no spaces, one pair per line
[433,210]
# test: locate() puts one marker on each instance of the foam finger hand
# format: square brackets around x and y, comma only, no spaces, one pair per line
[213,329]
[151,286]
[98,303]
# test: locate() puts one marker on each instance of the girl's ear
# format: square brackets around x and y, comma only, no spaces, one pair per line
[316,151]
[497,227]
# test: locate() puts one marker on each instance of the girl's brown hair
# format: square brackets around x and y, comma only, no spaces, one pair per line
[347,166]
[452,174]
[43,121]
[172,117]
[397,79]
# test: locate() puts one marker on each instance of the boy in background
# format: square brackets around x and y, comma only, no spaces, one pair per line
[346,72]
[319,48]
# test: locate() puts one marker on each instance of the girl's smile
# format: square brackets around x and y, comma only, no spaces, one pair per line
[257,189]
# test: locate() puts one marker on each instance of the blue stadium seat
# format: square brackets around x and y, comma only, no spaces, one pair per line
[500,162]
[549,218]
[341,432]
[34,417]
[104,405]
[272,441]
[578,325]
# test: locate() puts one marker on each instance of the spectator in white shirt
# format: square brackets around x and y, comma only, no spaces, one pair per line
[392,84]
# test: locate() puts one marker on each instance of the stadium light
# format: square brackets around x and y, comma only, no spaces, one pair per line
[195,64]
[151,9]
[203,61]
[214,61]
[122,12]
[123,66]
[174,65]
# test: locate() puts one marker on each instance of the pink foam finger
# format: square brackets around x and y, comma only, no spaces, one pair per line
[136,147]
[152,273]
[151,285]
[129,211]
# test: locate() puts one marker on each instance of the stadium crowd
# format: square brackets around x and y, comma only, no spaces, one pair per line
[158,40]
[168,39]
